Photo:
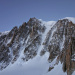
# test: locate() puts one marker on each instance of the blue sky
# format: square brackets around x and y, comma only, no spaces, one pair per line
[15,12]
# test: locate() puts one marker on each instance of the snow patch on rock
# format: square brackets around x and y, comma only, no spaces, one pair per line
[71,19]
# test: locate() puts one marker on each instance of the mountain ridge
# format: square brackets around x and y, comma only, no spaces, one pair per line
[37,37]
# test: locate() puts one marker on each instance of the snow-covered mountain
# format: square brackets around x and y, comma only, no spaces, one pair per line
[39,48]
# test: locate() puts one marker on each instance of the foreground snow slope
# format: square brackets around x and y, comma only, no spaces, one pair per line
[36,66]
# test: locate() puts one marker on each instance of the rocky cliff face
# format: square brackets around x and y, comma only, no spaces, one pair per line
[59,41]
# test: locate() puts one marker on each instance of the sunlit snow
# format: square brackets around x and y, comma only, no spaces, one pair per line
[71,19]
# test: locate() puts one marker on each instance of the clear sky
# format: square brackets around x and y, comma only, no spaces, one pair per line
[15,12]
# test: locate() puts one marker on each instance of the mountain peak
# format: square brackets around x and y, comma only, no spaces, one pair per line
[72,19]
